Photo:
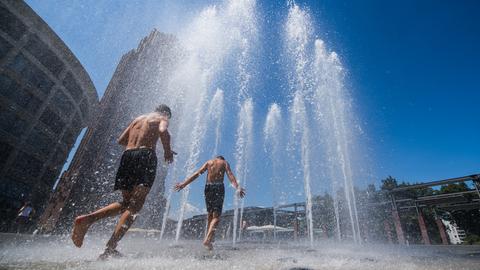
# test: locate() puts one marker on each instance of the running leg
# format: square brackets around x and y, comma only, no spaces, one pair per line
[82,223]
[127,218]
[211,230]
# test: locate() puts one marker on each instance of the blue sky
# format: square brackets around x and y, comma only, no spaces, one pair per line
[413,68]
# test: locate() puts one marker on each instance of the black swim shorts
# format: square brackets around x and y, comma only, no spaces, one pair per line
[214,194]
[137,167]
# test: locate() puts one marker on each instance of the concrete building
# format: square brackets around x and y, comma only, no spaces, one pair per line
[135,88]
[46,98]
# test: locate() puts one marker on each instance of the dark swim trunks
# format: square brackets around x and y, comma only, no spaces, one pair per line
[214,194]
[137,167]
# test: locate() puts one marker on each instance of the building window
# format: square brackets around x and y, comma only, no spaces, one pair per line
[15,190]
[31,73]
[84,108]
[29,102]
[72,86]
[5,47]
[62,102]
[11,122]
[68,138]
[42,52]
[49,176]
[52,121]
[26,167]
[7,85]
[21,97]
[5,150]
[11,24]
[40,141]
[76,124]
[59,158]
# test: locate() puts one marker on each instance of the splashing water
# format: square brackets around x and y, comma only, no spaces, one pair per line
[242,157]
[210,90]
[215,37]
[330,93]
[316,81]
[300,127]
[215,116]
[272,137]
[314,121]
[221,40]
[17,254]
[298,32]
[193,159]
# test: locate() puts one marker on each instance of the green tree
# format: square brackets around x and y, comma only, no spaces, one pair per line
[451,188]
[389,183]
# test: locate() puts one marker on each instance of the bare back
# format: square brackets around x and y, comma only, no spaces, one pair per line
[216,170]
[143,132]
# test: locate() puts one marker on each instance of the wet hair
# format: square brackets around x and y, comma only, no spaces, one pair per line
[164,109]
[220,157]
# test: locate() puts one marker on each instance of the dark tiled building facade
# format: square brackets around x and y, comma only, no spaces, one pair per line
[46,98]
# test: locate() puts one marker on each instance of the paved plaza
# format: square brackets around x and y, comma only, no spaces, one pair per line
[148,252]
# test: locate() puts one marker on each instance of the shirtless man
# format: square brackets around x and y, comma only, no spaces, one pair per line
[214,192]
[135,175]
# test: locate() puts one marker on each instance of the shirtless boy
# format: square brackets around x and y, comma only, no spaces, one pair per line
[214,192]
[134,178]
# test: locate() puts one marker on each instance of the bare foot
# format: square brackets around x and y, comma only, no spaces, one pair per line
[110,253]
[80,228]
[208,245]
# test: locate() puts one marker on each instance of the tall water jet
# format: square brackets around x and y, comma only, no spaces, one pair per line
[272,139]
[217,53]
[318,92]
[193,159]
[169,190]
[215,116]
[331,107]
[298,33]
[298,30]
[220,36]
[244,102]
[321,83]
[300,127]
[243,150]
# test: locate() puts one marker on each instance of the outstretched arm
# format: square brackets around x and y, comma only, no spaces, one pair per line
[165,138]
[233,180]
[180,186]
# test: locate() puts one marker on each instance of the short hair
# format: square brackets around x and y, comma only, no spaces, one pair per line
[220,157]
[164,109]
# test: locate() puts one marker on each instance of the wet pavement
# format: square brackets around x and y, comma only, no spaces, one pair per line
[148,252]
